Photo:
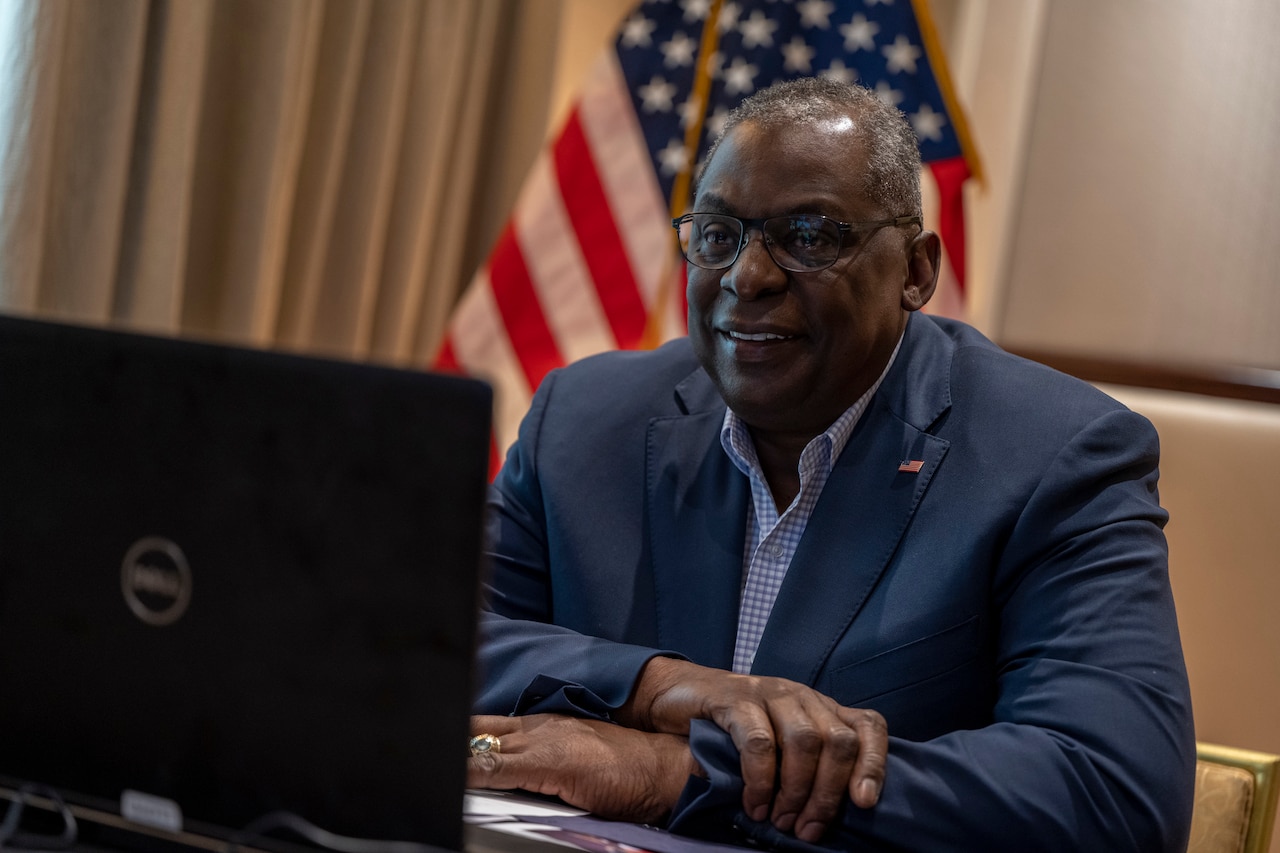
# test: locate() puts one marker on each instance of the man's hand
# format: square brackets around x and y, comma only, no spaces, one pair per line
[827,751]
[609,770]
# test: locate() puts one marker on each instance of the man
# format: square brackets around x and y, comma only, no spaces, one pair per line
[937,572]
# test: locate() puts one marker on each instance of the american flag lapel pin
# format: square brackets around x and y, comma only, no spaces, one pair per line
[911,466]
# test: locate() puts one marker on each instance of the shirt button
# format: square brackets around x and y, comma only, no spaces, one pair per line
[776,550]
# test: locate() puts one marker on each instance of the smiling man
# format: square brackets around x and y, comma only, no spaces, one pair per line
[830,571]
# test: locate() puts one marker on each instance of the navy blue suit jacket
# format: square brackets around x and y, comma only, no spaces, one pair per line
[1006,608]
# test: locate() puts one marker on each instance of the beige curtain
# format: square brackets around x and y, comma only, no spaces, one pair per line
[317,175]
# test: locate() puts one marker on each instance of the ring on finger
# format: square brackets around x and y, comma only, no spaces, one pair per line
[481,744]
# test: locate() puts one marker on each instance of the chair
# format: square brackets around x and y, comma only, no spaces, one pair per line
[1235,804]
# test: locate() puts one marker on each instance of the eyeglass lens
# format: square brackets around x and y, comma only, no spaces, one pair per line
[798,242]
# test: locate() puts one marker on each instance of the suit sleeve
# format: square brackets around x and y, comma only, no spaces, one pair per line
[1091,745]
[527,664]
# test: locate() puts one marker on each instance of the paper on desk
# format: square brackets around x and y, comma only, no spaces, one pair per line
[573,827]
[482,804]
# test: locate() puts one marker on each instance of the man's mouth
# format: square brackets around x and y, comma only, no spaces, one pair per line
[757,336]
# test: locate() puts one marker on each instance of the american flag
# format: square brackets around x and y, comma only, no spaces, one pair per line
[588,260]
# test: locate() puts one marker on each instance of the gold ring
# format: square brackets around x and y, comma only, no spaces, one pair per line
[480,744]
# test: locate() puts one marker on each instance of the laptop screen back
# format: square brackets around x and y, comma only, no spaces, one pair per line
[238,580]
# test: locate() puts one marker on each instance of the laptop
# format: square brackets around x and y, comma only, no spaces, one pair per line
[236,582]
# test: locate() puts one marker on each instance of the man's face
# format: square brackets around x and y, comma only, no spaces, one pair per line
[831,332]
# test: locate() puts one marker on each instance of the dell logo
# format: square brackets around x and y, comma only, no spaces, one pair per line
[156,580]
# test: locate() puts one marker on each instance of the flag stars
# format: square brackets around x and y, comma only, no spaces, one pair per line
[739,77]
[678,52]
[758,30]
[715,62]
[729,14]
[859,34]
[690,110]
[928,124]
[839,72]
[637,31]
[815,13]
[715,121]
[888,94]
[901,56]
[695,10]
[797,56]
[657,96]
[673,159]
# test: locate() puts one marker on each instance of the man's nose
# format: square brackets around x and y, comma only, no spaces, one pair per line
[754,273]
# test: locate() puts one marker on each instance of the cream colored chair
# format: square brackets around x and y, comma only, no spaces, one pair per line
[1235,806]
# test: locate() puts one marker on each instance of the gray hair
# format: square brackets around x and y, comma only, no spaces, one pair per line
[892,178]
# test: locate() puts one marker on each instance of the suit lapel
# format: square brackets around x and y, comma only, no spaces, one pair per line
[697,520]
[863,512]
[853,533]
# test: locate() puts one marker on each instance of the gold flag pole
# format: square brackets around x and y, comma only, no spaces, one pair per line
[684,178]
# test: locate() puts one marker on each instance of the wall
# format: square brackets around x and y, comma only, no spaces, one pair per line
[1147,215]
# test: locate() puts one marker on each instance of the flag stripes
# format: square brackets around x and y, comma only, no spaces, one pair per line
[601,243]
[581,261]
[589,262]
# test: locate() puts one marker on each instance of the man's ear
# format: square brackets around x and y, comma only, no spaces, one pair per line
[924,255]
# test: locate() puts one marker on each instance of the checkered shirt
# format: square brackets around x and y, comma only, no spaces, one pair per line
[772,539]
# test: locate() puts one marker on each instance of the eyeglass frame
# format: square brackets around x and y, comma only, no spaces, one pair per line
[758,224]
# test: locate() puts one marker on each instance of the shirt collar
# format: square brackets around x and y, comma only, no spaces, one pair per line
[735,438]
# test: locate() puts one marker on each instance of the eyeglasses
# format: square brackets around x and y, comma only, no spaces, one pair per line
[798,242]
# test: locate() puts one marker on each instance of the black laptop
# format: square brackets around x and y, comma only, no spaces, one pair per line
[236,583]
